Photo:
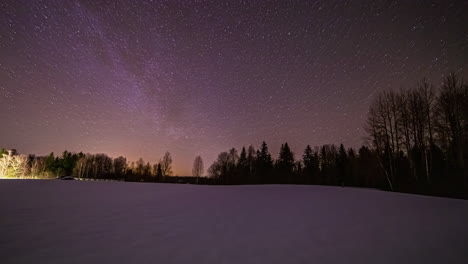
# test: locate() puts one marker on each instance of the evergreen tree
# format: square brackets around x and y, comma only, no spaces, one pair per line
[311,166]
[351,170]
[285,164]
[264,163]
[298,172]
[341,164]
[243,167]
[159,173]
[251,160]
[50,163]
[147,171]
[231,172]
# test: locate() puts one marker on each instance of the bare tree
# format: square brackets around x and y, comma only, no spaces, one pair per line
[20,165]
[451,121]
[197,169]
[219,168]
[82,167]
[13,166]
[414,120]
[166,164]
[119,165]
[140,167]
[38,167]
[383,126]
[5,163]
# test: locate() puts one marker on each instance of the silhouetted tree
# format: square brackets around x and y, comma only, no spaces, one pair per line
[311,166]
[285,164]
[166,164]
[197,169]
[251,160]
[243,170]
[231,172]
[159,173]
[264,164]
[120,167]
[219,168]
[342,164]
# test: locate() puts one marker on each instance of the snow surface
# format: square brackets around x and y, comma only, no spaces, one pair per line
[113,222]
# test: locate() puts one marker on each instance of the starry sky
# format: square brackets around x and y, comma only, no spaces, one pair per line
[138,78]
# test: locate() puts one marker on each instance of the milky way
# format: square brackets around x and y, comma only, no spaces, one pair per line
[138,78]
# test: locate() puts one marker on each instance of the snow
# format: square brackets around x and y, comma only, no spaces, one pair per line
[54,221]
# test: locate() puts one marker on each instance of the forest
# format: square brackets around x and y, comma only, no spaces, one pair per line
[417,142]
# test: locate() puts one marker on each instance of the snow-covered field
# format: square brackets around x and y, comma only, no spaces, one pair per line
[112,222]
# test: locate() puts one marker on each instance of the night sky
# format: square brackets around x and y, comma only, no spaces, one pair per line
[138,78]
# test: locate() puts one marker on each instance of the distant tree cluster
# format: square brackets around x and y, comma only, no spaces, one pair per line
[80,165]
[325,165]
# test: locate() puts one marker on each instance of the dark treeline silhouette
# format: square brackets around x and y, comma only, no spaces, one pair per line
[325,165]
[417,143]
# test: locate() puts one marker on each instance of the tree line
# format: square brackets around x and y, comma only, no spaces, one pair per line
[417,142]
[324,165]
[80,165]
